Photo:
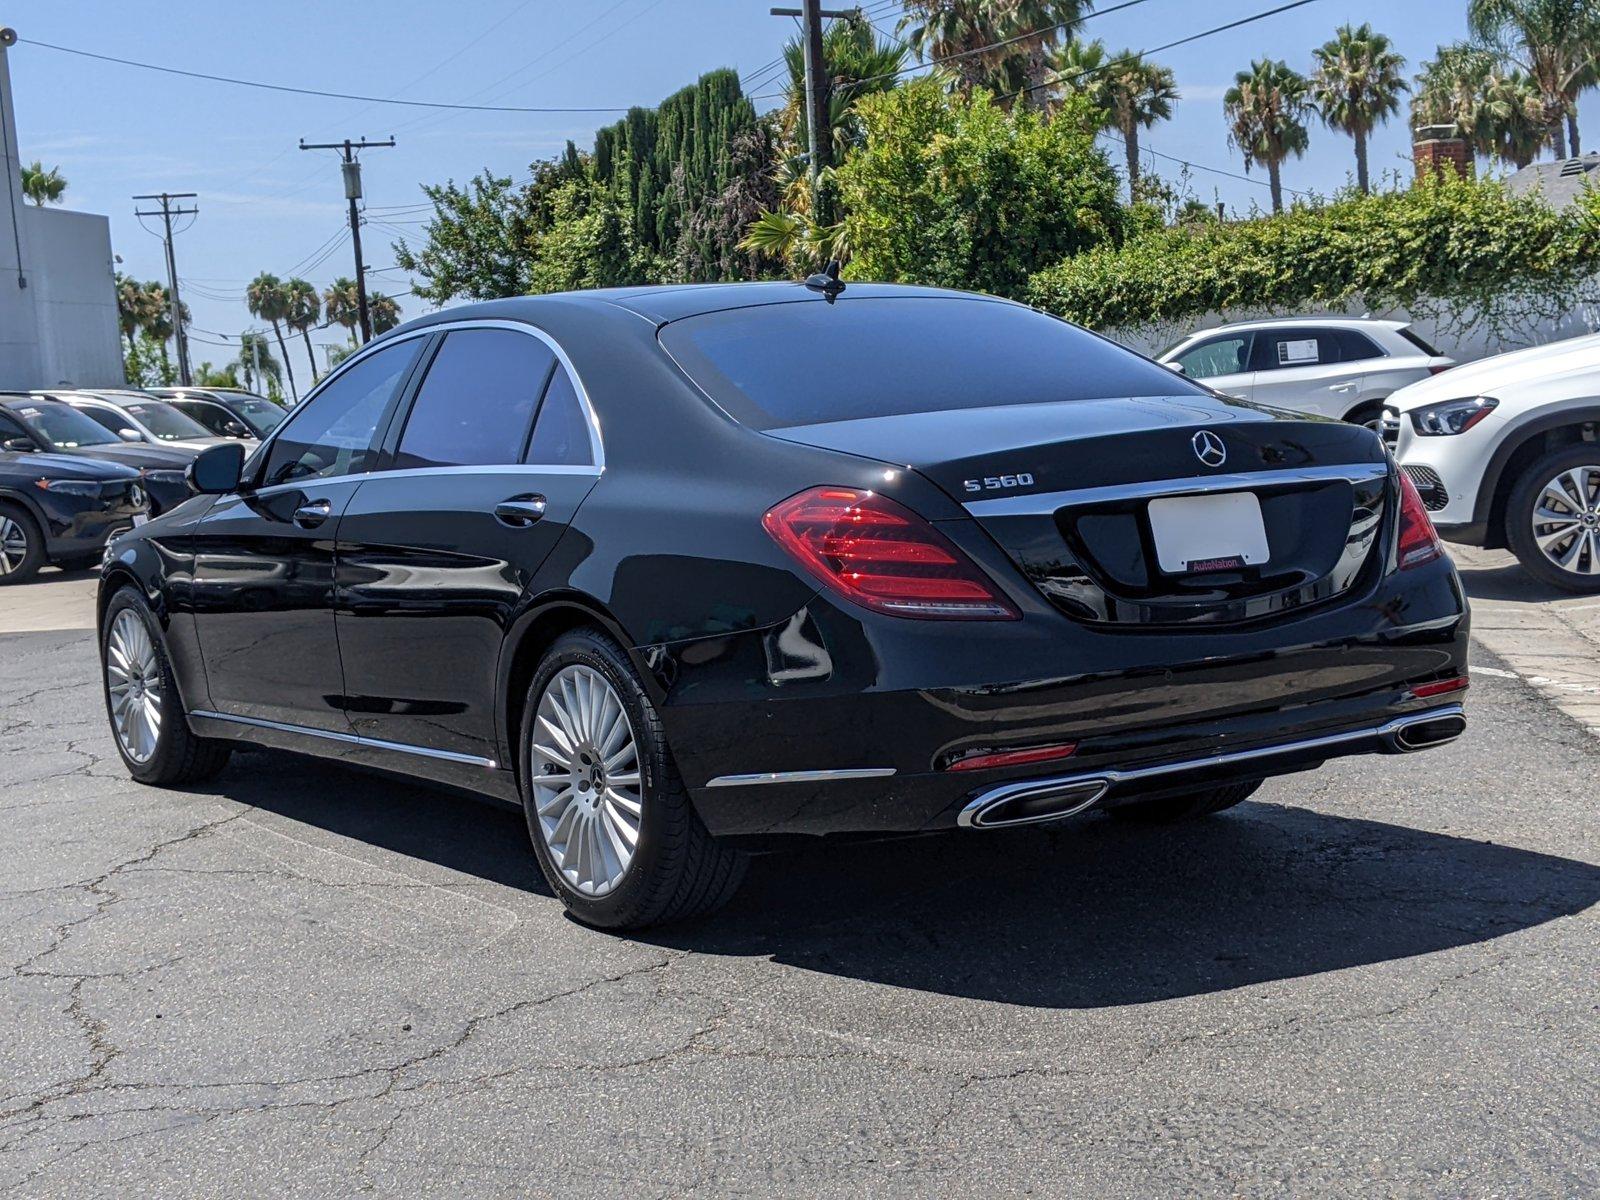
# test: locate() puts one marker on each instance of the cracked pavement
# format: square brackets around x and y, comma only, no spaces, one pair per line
[303,980]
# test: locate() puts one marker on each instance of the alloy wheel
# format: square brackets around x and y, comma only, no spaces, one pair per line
[587,789]
[133,681]
[1566,520]
[13,545]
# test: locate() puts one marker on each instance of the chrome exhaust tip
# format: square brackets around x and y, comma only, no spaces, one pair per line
[1031,803]
[1426,731]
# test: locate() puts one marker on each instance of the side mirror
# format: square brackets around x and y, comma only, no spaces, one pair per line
[1175,366]
[235,429]
[129,435]
[19,445]
[216,470]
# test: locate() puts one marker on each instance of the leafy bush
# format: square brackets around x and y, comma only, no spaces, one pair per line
[1463,251]
[955,192]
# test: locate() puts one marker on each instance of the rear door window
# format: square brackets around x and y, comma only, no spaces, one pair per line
[476,401]
[1355,346]
[1229,355]
[561,434]
[808,362]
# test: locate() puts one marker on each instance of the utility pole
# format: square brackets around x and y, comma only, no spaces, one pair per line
[166,213]
[819,141]
[352,192]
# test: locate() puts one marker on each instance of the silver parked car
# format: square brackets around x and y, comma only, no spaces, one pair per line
[1339,367]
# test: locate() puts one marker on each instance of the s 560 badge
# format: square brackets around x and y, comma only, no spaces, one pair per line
[998,483]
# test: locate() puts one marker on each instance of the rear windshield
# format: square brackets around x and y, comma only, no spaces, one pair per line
[1411,336]
[811,363]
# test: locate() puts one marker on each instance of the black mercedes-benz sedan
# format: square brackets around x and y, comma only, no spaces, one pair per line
[59,428]
[55,508]
[690,572]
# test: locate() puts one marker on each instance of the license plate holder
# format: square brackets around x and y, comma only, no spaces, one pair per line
[1210,532]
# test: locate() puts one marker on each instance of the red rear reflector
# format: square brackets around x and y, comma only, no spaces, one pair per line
[883,556]
[1013,758]
[1437,370]
[1418,542]
[1423,690]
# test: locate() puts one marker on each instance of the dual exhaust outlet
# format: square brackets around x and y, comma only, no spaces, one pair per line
[1031,801]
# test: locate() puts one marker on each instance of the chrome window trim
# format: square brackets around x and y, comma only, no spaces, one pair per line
[348,739]
[1044,503]
[801,776]
[412,472]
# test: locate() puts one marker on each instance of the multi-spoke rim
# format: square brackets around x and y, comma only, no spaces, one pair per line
[133,683]
[587,791]
[1566,520]
[13,544]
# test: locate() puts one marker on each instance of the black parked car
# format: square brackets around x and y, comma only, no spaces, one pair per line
[33,422]
[692,571]
[61,509]
[225,412]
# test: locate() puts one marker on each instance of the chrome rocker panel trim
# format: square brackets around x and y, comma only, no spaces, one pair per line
[1102,782]
[801,776]
[348,739]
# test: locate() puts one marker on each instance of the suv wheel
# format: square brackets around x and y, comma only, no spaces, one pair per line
[21,545]
[1553,519]
[147,718]
[615,833]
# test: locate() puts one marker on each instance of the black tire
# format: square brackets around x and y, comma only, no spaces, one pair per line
[1519,520]
[1185,807]
[17,523]
[179,757]
[678,871]
[1369,415]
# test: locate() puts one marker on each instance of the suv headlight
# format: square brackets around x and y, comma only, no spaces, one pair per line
[71,487]
[1451,417]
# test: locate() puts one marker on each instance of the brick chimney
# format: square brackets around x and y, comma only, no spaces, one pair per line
[1439,149]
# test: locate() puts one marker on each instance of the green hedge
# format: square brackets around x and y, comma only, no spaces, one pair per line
[1454,246]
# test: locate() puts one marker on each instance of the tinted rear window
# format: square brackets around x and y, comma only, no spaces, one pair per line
[811,363]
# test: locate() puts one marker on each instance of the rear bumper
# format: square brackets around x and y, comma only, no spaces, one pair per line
[842,723]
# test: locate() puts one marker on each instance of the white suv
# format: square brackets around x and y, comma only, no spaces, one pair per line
[1506,453]
[1338,367]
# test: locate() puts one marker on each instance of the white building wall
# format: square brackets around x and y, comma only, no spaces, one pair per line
[75,299]
[19,323]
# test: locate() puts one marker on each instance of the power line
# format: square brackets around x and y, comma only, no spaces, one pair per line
[300,91]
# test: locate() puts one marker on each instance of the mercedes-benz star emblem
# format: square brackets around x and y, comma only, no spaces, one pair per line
[1208,448]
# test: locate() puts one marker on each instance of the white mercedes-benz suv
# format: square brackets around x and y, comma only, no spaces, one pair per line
[1506,453]
[1340,367]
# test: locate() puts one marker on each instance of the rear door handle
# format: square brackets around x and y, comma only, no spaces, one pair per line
[519,512]
[312,513]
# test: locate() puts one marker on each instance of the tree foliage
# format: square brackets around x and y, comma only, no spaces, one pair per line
[1468,252]
[954,191]
[42,186]
[1357,85]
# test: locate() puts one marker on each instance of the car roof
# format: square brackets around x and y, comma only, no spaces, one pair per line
[1321,322]
[663,303]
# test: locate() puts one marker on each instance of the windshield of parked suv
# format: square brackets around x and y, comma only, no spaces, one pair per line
[809,363]
[62,427]
[166,422]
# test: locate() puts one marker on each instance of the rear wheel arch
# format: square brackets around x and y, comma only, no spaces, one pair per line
[1519,452]
[1370,409]
[531,635]
[29,505]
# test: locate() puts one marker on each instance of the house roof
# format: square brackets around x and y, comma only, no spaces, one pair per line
[1560,182]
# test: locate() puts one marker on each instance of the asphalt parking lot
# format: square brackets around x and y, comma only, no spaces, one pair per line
[1378,979]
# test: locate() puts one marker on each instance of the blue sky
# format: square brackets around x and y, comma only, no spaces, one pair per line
[265,205]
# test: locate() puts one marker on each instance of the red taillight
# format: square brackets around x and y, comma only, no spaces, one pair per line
[1418,542]
[883,556]
[984,761]
[1439,368]
[1444,686]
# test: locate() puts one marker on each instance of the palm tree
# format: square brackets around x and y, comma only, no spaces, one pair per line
[1141,93]
[1499,112]
[158,324]
[342,306]
[1266,107]
[133,308]
[1553,42]
[857,65]
[1356,86]
[384,311]
[302,309]
[266,300]
[42,186]
[225,376]
[254,351]
[1028,29]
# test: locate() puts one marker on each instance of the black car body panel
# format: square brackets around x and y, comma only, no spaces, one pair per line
[160,467]
[401,629]
[75,525]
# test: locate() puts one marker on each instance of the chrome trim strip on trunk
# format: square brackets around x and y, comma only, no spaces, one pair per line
[968,817]
[801,776]
[349,739]
[1041,503]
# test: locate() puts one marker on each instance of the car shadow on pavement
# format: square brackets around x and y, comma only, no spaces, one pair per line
[1509,582]
[1092,914]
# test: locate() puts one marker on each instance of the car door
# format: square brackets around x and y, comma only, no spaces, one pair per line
[1303,369]
[1221,362]
[483,473]
[262,589]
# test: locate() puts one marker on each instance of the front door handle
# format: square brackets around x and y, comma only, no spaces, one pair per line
[312,513]
[519,512]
